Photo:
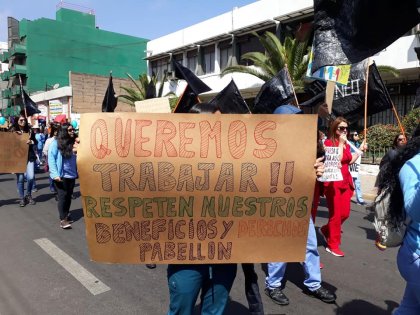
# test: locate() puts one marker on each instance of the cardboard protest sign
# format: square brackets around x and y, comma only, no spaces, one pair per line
[355,167]
[153,105]
[332,164]
[196,188]
[13,153]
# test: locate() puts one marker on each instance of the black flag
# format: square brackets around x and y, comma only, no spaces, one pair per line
[350,31]
[230,100]
[275,92]
[151,89]
[194,87]
[30,106]
[110,101]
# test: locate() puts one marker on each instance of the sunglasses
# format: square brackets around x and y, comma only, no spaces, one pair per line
[20,120]
[342,128]
[355,135]
[70,130]
[401,139]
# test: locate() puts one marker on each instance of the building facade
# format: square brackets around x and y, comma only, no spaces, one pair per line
[42,52]
[210,46]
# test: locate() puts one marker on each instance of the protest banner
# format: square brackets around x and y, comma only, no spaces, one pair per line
[355,167]
[195,188]
[332,164]
[13,153]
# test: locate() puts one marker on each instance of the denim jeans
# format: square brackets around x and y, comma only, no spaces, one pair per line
[20,178]
[185,282]
[310,265]
[409,265]
[359,194]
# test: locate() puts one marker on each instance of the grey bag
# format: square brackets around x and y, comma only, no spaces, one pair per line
[390,233]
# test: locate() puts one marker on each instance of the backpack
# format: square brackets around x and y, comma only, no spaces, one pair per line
[390,233]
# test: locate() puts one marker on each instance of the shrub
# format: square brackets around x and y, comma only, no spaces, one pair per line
[411,120]
[380,136]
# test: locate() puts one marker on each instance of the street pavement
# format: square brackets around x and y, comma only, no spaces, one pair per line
[32,281]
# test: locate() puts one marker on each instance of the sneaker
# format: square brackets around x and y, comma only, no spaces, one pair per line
[65,224]
[361,203]
[69,219]
[324,295]
[22,202]
[34,190]
[151,266]
[29,200]
[277,296]
[336,252]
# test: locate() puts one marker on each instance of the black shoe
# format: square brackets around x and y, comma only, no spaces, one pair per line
[277,296]
[22,202]
[324,295]
[151,266]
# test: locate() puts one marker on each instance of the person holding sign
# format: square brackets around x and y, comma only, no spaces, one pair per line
[214,280]
[312,264]
[63,170]
[338,193]
[21,127]
[354,168]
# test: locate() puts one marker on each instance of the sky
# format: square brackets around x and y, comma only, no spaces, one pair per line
[141,18]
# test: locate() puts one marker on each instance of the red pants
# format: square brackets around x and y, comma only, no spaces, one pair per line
[338,201]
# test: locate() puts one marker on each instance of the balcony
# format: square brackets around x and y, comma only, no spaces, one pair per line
[6,93]
[12,110]
[18,49]
[5,75]
[4,57]
[16,90]
[18,69]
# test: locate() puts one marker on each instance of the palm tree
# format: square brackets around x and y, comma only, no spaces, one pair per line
[143,87]
[292,53]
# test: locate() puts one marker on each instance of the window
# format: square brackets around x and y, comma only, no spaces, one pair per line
[248,43]
[225,54]
[192,60]
[208,59]
[160,67]
[178,58]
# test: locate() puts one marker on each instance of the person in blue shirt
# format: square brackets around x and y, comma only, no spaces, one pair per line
[403,182]
[311,265]
[354,168]
[63,171]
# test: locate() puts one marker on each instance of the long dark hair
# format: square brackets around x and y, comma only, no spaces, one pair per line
[54,129]
[65,142]
[16,126]
[391,182]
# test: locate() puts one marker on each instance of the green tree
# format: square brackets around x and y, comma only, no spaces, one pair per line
[292,53]
[411,120]
[141,85]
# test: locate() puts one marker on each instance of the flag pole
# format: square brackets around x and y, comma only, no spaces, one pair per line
[398,118]
[23,96]
[291,83]
[366,99]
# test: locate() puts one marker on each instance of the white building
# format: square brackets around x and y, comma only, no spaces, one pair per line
[211,45]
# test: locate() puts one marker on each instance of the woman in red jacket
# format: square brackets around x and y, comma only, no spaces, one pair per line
[338,193]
